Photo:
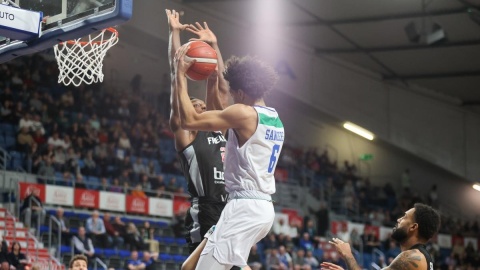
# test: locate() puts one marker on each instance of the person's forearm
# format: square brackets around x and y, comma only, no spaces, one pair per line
[186,110]
[173,45]
[352,263]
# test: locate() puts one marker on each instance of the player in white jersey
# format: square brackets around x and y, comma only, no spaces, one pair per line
[254,143]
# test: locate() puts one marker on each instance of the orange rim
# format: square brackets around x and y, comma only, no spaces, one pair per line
[83,43]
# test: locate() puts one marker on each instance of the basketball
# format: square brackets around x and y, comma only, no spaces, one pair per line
[206,60]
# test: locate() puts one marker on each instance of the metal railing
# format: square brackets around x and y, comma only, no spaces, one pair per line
[59,235]
[376,254]
[100,262]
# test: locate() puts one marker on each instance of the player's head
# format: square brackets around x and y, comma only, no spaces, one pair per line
[248,76]
[421,221]
[198,104]
[78,262]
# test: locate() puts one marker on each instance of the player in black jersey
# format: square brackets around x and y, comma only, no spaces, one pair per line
[201,153]
[412,232]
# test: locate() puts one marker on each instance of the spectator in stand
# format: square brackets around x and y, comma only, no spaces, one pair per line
[306,242]
[139,167]
[124,142]
[145,183]
[344,234]
[104,185]
[25,122]
[370,240]
[39,138]
[6,112]
[32,209]
[310,228]
[149,260]
[133,238]
[134,263]
[147,234]
[158,182]
[125,178]
[24,140]
[116,186]
[55,140]
[65,231]
[59,158]
[114,236]
[281,227]
[355,239]
[46,171]
[90,165]
[311,260]
[16,258]
[299,261]
[285,258]
[273,261]
[37,125]
[322,219]
[84,245]
[138,192]
[96,230]
[79,182]
[172,185]
[67,180]
[4,264]
[254,260]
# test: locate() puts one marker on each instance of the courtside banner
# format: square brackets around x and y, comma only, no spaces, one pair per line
[137,205]
[160,207]
[180,205]
[86,198]
[112,201]
[19,24]
[27,188]
[59,195]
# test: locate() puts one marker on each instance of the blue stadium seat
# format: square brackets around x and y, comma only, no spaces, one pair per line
[108,252]
[65,249]
[10,141]
[180,241]
[8,129]
[124,253]
[165,257]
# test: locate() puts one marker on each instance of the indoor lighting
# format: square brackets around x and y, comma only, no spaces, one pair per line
[359,130]
[476,186]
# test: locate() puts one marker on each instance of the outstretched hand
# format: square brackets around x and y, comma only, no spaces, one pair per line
[203,32]
[330,266]
[182,63]
[174,20]
[342,247]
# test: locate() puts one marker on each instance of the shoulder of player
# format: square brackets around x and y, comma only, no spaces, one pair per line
[241,110]
[409,260]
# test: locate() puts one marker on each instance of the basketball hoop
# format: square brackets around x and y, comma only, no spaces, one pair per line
[82,61]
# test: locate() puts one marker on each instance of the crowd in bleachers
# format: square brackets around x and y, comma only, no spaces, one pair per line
[95,137]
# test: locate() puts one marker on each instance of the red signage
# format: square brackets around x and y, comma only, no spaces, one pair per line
[180,205]
[86,198]
[281,175]
[27,188]
[137,204]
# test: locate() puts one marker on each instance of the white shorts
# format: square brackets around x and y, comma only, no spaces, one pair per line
[242,224]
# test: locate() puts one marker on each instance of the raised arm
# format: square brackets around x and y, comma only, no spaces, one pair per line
[217,88]
[235,116]
[182,137]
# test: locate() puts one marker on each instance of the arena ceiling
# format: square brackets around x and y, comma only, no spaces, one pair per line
[371,34]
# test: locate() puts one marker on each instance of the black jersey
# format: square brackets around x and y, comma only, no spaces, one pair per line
[423,249]
[202,164]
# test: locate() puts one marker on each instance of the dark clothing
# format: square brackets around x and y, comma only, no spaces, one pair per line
[202,165]
[26,202]
[14,260]
[423,249]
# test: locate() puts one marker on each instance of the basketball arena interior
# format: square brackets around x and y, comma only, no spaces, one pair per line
[380,102]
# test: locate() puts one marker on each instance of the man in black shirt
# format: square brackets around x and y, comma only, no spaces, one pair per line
[413,230]
[32,209]
[201,153]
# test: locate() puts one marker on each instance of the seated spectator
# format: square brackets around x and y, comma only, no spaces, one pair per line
[285,258]
[55,140]
[67,179]
[134,263]
[273,261]
[120,227]
[138,191]
[37,125]
[311,260]
[79,183]
[59,158]
[89,165]
[84,245]
[157,182]
[114,236]
[254,260]
[172,185]
[46,171]
[32,209]
[25,122]
[147,234]
[124,142]
[104,185]
[149,260]
[39,138]
[65,231]
[24,140]
[139,167]
[16,258]
[115,187]
[299,262]
[96,230]
[133,238]
[4,253]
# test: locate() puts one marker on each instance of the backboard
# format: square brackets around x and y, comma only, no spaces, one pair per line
[66,20]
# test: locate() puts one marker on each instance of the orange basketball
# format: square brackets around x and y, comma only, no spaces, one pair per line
[206,60]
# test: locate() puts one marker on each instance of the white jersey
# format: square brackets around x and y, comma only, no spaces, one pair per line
[251,167]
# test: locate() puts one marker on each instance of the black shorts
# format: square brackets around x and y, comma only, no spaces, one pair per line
[207,216]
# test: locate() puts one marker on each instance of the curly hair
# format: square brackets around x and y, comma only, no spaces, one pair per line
[250,75]
[428,220]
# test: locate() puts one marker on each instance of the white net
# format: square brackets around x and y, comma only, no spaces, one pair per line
[82,61]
